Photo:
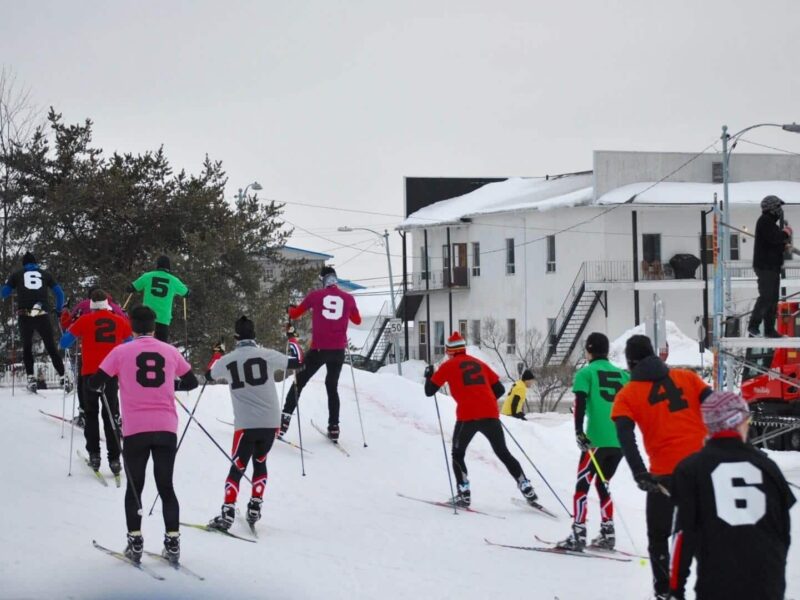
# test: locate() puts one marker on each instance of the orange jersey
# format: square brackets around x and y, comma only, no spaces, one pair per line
[470,382]
[100,331]
[668,413]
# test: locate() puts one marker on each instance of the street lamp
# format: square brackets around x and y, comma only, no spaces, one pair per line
[725,246]
[243,192]
[385,236]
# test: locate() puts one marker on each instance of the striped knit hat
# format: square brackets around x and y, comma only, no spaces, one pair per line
[724,411]
[455,344]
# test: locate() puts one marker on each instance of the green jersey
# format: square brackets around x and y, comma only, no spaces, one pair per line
[159,288]
[600,381]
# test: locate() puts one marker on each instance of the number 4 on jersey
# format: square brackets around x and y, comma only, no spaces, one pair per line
[665,390]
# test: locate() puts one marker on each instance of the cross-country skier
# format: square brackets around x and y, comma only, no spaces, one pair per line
[732,509]
[250,372]
[514,404]
[475,389]
[595,387]
[159,288]
[100,331]
[31,283]
[331,311]
[665,404]
[147,369]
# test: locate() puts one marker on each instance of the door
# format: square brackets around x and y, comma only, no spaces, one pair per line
[460,274]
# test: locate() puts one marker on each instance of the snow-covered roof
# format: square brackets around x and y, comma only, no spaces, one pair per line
[577,190]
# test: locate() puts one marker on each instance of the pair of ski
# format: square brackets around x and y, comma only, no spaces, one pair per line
[518,501]
[146,568]
[280,439]
[589,552]
[335,443]
[225,533]
[98,475]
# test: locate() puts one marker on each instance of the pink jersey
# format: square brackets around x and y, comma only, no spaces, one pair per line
[147,369]
[331,309]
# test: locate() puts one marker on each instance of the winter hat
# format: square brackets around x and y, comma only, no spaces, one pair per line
[723,411]
[143,320]
[527,375]
[28,258]
[771,203]
[245,329]
[455,344]
[98,300]
[638,347]
[597,344]
[163,263]
[328,276]
[290,330]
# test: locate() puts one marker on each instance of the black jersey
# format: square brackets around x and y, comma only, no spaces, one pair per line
[31,285]
[733,517]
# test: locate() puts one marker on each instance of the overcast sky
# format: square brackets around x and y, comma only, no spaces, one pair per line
[333,103]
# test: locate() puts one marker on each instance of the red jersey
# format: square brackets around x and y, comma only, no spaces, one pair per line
[100,332]
[331,309]
[471,382]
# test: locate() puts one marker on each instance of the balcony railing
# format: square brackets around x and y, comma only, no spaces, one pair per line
[441,279]
[621,271]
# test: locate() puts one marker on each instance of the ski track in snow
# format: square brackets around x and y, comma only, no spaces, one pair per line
[339,532]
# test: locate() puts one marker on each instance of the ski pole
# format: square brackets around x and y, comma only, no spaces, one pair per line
[180,441]
[14,347]
[72,434]
[444,449]
[128,299]
[230,460]
[605,483]
[185,328]
[118,438]
[794,485]
[535,468]
[64,398]
[300,434]
[355,393]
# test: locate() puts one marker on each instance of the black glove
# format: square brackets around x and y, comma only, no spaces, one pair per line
[428,372]
[647,482]
[208,377]
[130,288]
[584,443]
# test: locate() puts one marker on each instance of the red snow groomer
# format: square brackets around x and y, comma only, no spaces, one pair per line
[771,386]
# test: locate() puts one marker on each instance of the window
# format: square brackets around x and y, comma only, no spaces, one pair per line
[476,259]
[476,332]
[269,272]
[709,252]
[734,246]
[551,254]
[510,268]
[446,265]
[552,334]
[422,349]
[716,172]
[423,258]
[438,338]
[511,336]
[651,243]
[462,329]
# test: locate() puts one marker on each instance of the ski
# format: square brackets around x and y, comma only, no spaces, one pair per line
[280,439]
[125,559]
[450,506]
[334,442]
[67,421]
[177,567]
[212,530]
[535,506]
[98,475]
[562,551]
[597,549]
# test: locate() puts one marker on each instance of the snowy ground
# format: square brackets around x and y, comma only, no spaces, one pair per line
[339,532]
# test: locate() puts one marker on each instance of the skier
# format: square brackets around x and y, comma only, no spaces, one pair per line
[99,331]
[475,389]
[595,387]
[331,310]
[159,288]
[250,371]
[217,351]
[732,508]
[665,404]
[31,283]
[147,369]
[516,400]
[770,245]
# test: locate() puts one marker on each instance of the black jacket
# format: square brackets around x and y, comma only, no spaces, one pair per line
[769,246]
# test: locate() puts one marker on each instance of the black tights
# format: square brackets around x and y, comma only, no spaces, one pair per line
[492,431]
[41,324]
[315,359]
[136,451]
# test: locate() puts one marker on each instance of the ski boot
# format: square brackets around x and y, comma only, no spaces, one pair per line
[135,547]
[286,420]
[576,540]
[223,521]
[32,386]
[463,498]
[115,466]
[172,547]
[606,540]
[333,432]
[66,384]
[254,510]
[94,460]
[528,492]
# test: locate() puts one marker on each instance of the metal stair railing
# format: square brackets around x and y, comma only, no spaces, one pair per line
[568,307]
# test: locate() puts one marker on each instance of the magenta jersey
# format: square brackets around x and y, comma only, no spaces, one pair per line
[147,369]
[331,310]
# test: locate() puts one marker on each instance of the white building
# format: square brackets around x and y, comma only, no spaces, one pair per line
[558,255]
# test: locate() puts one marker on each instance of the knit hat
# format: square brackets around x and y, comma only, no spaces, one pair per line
[527,375]
[770,203]
[455,344]
[723,411]
[163,263]
[143,320]
[328,276]
[28,258]
[597,344]
[244,329]
[638,347]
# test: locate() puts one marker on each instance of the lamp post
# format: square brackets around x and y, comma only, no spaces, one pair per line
[725,238]
[243,192]
[385,236]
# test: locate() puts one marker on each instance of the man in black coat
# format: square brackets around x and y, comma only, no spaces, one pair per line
[771,243]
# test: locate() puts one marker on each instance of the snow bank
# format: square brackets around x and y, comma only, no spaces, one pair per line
[683,350]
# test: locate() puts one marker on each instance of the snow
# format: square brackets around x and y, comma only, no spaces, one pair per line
[683,350]
[341,532]
[672,192]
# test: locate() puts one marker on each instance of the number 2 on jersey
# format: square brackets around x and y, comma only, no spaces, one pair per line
[471,373]
[333,307]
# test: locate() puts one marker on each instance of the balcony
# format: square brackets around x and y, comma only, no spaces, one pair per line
[441,279]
